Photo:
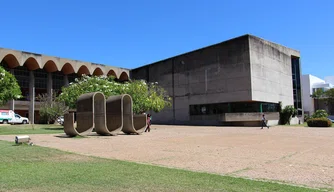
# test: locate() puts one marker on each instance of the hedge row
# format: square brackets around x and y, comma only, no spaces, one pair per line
[319,122]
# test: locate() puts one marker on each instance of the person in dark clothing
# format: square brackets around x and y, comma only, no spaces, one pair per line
[264,122]
[148,119]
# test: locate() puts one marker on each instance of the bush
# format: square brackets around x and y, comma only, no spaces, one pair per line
[320,114]
[306,117]
[319,122]
[286,114]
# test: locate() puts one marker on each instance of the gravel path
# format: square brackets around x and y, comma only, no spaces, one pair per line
[303,156]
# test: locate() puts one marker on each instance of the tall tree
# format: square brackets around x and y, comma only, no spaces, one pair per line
[9,88]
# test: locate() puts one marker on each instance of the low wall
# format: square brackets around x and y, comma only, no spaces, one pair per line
[237,117]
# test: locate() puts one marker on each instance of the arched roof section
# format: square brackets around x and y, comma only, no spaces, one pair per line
[112,73]
[50,66]
[67,69]
[98,72]
[124,76]
[31,64]
[83,70]
[11,61]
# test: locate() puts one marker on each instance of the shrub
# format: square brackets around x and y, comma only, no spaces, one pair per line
[306,117]
[320,114]
[319,122]
[286,114]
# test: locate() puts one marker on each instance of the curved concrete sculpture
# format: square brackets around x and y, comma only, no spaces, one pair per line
[108,118]
[120,115]
[69,128]
[90,115]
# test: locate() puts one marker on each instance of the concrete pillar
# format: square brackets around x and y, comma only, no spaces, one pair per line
[31,97]
[49,86]
[12,102]
[66,83]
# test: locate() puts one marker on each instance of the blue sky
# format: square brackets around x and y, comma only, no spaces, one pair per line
[132,33]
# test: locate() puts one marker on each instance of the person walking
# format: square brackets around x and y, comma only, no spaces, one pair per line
[264,122]
[148,121]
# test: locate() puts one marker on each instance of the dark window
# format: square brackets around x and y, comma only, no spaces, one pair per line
[57,81]
[295,68]
[72,77]
[236,107]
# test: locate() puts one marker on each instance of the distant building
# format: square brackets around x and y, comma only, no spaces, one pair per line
[330,79]
[310,84]
[232,82]
[37,74]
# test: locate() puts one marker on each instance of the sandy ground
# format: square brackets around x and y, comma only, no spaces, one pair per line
[303,156]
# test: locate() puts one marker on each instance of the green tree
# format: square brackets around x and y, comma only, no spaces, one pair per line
[146,96]
[51,108]
[329,97]
[9,88]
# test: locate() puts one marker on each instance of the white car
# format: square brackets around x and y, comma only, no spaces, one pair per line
[331,118]
[8,116]
[60,120]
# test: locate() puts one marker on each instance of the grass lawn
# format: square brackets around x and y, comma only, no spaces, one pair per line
[33,168]
[29,129]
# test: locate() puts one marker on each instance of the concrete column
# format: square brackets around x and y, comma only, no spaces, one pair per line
[31,97]
[49,86]
[66,83]
[12,102]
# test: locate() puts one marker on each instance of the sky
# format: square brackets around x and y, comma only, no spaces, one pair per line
[132,33]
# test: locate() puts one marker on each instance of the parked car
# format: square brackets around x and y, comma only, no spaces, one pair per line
[9,116]
[60,120]
[331,118]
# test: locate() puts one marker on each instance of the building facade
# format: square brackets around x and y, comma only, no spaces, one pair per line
[310,84]
[38,74]
[232,82]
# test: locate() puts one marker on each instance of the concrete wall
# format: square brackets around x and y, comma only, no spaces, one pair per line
[51,64]
[218,73]
[233,117]
[307,91]
[271,71]
[246,68]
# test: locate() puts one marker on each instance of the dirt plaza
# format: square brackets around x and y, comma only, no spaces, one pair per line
[295,155]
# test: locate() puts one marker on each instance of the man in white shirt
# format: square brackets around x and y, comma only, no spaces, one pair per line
[264,122]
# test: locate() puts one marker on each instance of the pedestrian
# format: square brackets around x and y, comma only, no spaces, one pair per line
[148,121]
[264,122]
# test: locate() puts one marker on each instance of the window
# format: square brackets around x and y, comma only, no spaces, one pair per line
[4,113]
[57,80]
[295,68]
[236,107]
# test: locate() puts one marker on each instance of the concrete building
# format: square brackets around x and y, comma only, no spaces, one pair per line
[310,84]
[37,73]
[330,79]
[232,82]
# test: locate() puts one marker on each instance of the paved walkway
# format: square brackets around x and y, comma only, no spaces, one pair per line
[303,156]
